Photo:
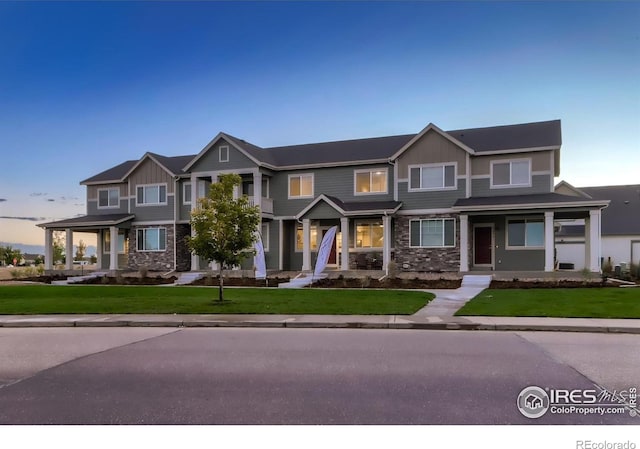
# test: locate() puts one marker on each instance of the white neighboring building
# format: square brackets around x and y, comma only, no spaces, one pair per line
[620,226]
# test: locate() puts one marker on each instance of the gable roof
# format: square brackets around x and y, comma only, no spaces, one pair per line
[171,164]
[114,174]
[622,217]
[574,191]
[352,208]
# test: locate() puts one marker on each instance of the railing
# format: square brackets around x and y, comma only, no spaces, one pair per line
[267,204]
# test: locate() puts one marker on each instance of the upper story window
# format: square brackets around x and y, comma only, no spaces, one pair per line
[432,177]
[525,233]
[223,155]
[432,233]
[186,193]
[301,186]
[514,173]
[108,198]
[155,194]
[370,181]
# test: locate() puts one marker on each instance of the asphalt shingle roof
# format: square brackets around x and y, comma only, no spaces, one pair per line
[89,220]
[510,137]
[509,200]
[622,217]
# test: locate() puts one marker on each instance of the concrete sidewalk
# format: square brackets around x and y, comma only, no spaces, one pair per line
[418,321]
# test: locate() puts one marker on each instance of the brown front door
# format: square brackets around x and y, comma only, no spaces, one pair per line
[332,254]
[482,245]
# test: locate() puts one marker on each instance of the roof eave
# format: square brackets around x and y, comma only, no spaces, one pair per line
[602,204]
[431,127]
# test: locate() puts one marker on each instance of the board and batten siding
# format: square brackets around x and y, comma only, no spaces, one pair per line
[148,172]
[338,182]
[432,148]
[210,161]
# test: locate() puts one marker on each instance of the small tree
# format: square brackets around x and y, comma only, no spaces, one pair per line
[9,254]
[58,247]
[224,228]
[80,250]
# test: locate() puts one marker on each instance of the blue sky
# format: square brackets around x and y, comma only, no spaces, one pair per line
[87,85]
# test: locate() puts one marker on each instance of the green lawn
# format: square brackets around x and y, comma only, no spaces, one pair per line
[560,302]
[45,299]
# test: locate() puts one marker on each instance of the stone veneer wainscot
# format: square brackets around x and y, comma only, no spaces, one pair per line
[152,260]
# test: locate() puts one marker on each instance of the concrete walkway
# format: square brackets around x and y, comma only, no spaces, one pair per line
[447,301]
[417,321]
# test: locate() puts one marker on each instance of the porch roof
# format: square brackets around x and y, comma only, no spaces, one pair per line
[534,201]
[354,208]
[87,222]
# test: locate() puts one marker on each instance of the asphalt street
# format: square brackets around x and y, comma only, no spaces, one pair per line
[300,376]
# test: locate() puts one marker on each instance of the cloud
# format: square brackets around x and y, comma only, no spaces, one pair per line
[38,194]
[2,200]
[51,200]
[24,218]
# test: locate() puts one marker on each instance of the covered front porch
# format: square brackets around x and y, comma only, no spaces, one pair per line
[110,229]
[516,233]
[364,233]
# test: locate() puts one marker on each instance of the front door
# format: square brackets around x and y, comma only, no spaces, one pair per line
[332,255]
[483,246]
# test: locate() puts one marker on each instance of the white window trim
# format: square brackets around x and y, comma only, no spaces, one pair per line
[184,193]
[166,196]
[355,234]
[152,250]
[510,161]
[300,175]
[107,206]
[265,240]
[525,247]
[220,158]
[432,189]
[434,219]
[371,171]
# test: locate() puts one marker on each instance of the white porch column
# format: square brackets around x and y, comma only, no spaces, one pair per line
[48,249]
[587,243]
[594,240]
[464,243]
[306,245]
[344,230]
[99,250]
[113,256]
[257,190]
[549,243]
[386,242]
[69,249]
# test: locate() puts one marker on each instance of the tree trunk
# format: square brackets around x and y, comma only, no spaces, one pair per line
[220,283]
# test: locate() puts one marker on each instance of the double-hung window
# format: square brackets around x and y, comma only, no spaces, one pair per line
[108,198]
[432,233]
[525,233]
[152,239]
[432,177]
[516,173]
[301,186]
[186,199]
[370,181]
[151,194]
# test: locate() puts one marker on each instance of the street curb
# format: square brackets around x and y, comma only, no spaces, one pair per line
[450,325]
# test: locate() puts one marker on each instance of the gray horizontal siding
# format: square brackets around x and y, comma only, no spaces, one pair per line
[440,199]
[539,184]
[210,161]
[153,213]
[333,181]
[92,208]
[272,256]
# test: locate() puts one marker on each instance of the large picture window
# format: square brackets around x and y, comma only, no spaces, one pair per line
[106,246]
[370,181]
[432,177]
[511,173]
[151,194]
[301,186]
[525,233]
[300,238]
[369,235]
[108,198]
[432,233]
[152,239]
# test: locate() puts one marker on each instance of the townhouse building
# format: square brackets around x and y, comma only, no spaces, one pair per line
[435,201]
